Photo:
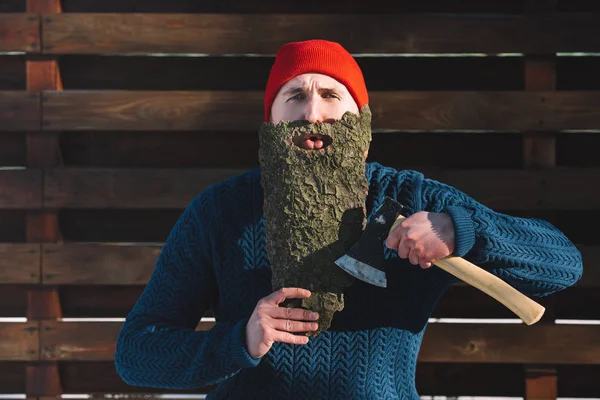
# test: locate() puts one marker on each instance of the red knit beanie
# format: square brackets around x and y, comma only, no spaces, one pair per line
[315,56]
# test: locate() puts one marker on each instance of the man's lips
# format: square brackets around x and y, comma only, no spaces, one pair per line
[312,141]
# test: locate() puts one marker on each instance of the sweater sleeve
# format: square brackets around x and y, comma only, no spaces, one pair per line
[530,254]
[158,345]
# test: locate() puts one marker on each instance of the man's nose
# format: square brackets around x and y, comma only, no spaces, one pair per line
[313,112]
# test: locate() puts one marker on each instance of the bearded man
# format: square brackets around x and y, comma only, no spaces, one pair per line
[258,250]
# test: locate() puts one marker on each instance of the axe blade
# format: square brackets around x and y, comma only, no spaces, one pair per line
[365,260]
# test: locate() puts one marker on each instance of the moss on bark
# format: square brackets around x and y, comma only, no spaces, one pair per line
[314,206]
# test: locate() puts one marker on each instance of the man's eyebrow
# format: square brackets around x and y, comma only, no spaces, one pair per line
[294,90]
[301,89]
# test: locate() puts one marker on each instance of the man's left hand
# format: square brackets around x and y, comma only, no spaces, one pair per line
[423,238]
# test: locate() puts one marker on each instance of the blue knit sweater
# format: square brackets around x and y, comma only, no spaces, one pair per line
[215,259]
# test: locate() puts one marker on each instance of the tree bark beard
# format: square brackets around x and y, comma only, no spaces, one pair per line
[314,206]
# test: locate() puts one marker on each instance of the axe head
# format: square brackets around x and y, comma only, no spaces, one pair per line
[365,260]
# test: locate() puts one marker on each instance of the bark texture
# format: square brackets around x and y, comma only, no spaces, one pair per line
[314,206]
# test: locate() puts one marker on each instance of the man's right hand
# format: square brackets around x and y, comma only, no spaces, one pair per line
[270,323]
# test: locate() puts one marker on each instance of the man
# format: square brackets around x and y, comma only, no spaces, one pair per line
[215,259]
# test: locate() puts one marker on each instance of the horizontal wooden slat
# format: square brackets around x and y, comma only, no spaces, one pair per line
[19,32]
[82,340]
[19,111]
[19,263]
[565,189]
[21,189]
[470,343]
[74,33]
[19,341]
[204,110]
[127,188]
[12,377]
[98,264]
[91,72]
[536,344]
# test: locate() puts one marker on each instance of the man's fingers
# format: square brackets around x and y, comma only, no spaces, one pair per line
[394,237]
[288,293]
[297,314]
[287,337]
[288,325]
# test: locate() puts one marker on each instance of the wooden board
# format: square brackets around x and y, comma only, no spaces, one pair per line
[90,72]
[565,189]
[19,32]
[98,264]
[19,111]
[74,33]
[127,188]
[508,343]
[468,343]
[19,263]
[84,341]
[204,110]
[21,189]
[18,341]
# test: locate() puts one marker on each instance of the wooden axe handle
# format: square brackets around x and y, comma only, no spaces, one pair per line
[527,309]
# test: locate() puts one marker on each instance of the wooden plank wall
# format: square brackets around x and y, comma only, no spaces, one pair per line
[115,114]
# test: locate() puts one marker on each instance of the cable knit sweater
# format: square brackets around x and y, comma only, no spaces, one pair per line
[215,258]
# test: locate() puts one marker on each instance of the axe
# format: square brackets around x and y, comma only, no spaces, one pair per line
[365,261]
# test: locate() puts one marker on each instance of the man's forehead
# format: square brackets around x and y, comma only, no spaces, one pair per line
[305,81]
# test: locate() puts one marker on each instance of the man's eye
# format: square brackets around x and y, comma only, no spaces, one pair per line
[330,96]
[299,96]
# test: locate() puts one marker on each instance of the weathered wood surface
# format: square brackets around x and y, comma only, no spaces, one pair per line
[21,189]
[537,344]
[19,263]
[223,110]
[460,343]
[127,188]
[84,341]
[548,189]
[74,33]
[98,264]
[19,111]
[19,341]
[19,32]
